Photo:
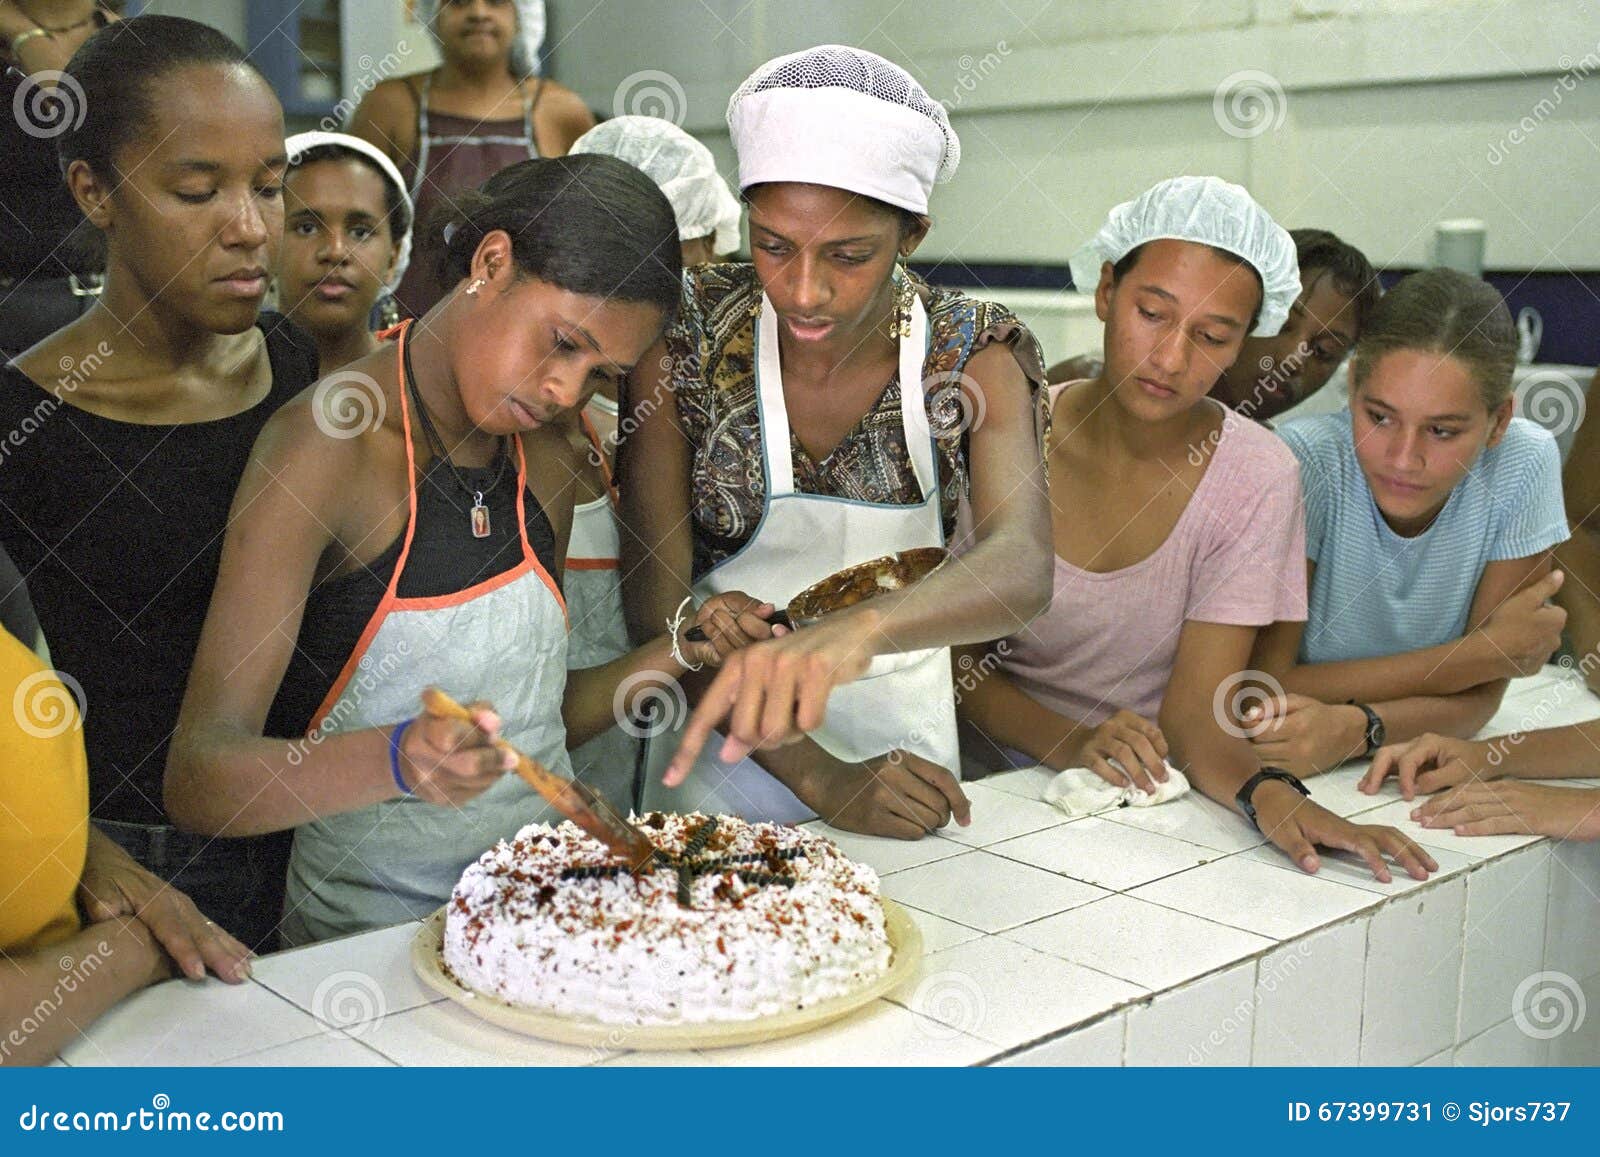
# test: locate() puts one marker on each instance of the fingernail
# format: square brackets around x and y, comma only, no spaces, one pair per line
[508,760]
[243,970]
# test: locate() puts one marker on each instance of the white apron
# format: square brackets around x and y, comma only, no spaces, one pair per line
[592,584]
[503,640]
[904,701]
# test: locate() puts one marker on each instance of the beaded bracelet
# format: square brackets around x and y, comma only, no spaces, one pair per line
[673,625]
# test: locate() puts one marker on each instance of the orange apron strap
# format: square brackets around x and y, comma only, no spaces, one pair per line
[528,555]
[600,455]
[390,595]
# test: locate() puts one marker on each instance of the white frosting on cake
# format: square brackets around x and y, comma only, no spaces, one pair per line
[624,950]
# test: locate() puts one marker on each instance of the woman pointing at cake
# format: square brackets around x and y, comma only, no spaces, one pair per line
[815,409]
[404,524]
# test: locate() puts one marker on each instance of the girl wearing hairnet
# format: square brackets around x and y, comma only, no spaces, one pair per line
[1178,532]
[812,410]
[484,108]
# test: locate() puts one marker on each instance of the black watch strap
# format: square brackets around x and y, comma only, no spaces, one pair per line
[1243,798]
[1376,732]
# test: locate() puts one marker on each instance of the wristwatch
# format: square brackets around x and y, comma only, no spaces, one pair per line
[1250,785]
[1376,732]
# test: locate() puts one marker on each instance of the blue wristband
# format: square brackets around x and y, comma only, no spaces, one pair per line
[395,737]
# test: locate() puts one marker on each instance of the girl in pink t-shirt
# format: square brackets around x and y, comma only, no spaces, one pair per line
[1178,531]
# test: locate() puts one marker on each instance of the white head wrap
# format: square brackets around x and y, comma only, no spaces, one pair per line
[684,169]
[524,46]
[302,143]
[1210,211]
[846,118]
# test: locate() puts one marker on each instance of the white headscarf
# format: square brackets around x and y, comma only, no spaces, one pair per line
[684,169]
[524,46]
[1210,211]
[840,116]
[302,143]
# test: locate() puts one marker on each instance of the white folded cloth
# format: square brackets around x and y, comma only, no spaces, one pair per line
[1080,792]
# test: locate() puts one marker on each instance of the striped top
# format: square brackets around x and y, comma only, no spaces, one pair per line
[1377,593]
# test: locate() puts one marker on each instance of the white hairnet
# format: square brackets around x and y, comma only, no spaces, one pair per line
[684,169]
[846,118]
[524,48]
[1210,211]
[301,143]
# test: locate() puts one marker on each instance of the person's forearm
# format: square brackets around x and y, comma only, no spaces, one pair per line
[1462,715]
[223,782]
[49,996]
[1217,764]
[1579,556]
[591,705]
[1011,717]
[1551,753]
[1442,670]
[993,591]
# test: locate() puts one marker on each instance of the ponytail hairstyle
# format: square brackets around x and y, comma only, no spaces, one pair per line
[586,223]
[1446,312]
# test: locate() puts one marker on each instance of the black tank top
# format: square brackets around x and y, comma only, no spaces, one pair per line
[117,529]
[444,559]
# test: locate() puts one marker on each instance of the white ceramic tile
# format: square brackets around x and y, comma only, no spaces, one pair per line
[1009,994]
[1095,1045]
[881,1034]
[999,815]
[1028,782]
[939,933]
[1336,790]
[1505,1044]
[448,1036]
[190,1022]
[1257,898]
[987,892]
[1206,1022]
[1194,819]
[1308,998]
[1109,855]
[882,854]
[1147,944]
[1504,940]
[1578,1041]
[1572,931]
[349,981]
[325,1050]
[1341,867]
[1441,1060]
[1413,983]
[1397,814]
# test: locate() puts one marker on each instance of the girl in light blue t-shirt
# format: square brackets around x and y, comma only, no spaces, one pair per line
[1431,513]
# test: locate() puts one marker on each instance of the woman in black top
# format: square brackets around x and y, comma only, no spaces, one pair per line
[125,433]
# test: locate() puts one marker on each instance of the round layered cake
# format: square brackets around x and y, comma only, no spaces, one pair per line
[732,921]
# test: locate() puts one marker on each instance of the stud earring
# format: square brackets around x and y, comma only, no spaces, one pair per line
[476,284]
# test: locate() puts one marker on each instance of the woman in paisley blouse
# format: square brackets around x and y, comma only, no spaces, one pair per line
[852,718]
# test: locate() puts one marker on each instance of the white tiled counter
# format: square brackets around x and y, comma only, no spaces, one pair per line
[1171,935]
